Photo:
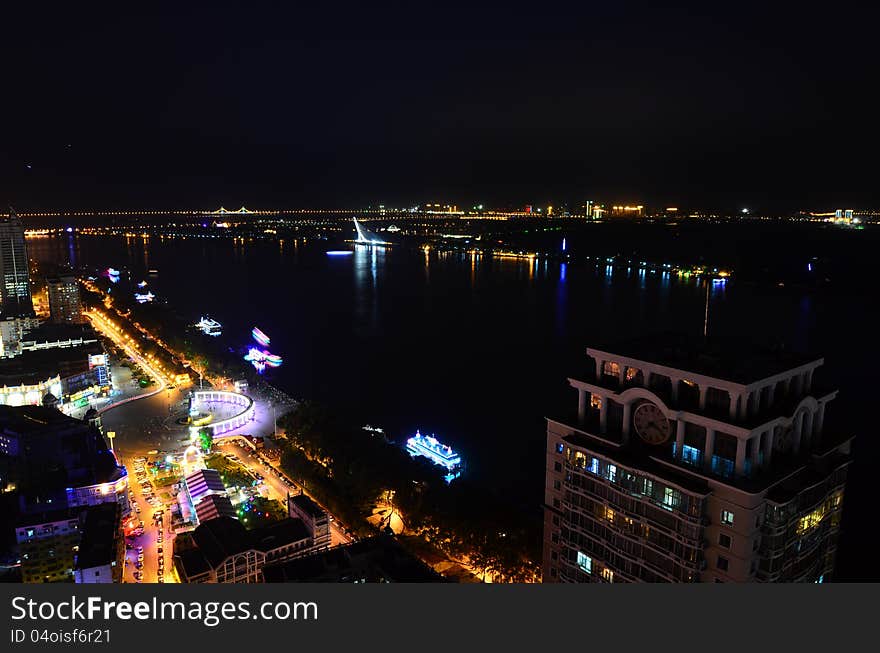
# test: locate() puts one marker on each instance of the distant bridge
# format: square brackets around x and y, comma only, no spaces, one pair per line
[225,211]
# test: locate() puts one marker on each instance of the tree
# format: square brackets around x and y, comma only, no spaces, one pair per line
[206,440]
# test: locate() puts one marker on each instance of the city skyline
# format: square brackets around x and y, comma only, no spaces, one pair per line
[489,294]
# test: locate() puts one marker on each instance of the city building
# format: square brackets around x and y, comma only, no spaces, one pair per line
[65,306]
[586,209]
[56,462]
[627,211]
[12,330]
[212,506]
[57,336]
[66,360]
[315,518]
[694,461]
[71,545]
[15,285]
[101,552]
[47,545]
[379,559]
[222,550]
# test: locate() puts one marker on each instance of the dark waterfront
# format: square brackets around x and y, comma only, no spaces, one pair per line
[477,349]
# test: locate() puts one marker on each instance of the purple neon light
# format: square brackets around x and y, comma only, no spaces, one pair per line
[260,337]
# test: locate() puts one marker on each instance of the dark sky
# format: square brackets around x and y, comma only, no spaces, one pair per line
[277,105]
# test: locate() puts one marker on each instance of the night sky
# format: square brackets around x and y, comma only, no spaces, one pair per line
[280,106]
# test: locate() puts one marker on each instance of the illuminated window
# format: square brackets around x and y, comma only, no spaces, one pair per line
[611,473]
[585,562]
[670,498]
[631,373]
[611,369]
[690,455]
[649,487]
[595,401]
[560,447]
[609,515]
[580,460]
[594,466]
[727,517]
[608,575]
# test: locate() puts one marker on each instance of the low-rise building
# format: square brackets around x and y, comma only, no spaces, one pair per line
[56,462]
[379,559]
[47,544]
[315,518]
[223,551]
[100,556]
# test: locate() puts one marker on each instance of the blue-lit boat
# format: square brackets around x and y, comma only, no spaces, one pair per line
[437,452]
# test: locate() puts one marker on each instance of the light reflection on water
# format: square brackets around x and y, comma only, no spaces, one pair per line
[490,341]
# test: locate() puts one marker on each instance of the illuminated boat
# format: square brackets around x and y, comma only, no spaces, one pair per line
[260,337]
[261,359]
[209,327]
[143,298]
[440,454]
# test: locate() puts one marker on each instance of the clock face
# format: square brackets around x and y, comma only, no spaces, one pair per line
[651,424]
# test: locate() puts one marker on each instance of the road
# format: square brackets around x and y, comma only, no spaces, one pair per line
[153,548]
[273,480]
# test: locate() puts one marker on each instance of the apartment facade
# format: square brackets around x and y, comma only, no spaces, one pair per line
[694,462]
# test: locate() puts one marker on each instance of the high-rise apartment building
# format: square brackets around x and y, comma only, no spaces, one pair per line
[15,287]
[690,461]
[65,306]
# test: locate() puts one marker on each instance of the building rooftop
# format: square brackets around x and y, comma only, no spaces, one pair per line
[308,506]
[279,533]
[32,367]
[379,559]
[731,359]
[191,563]
[49,332]
[33,419]
[221,537]
[203,482]
[214,505]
